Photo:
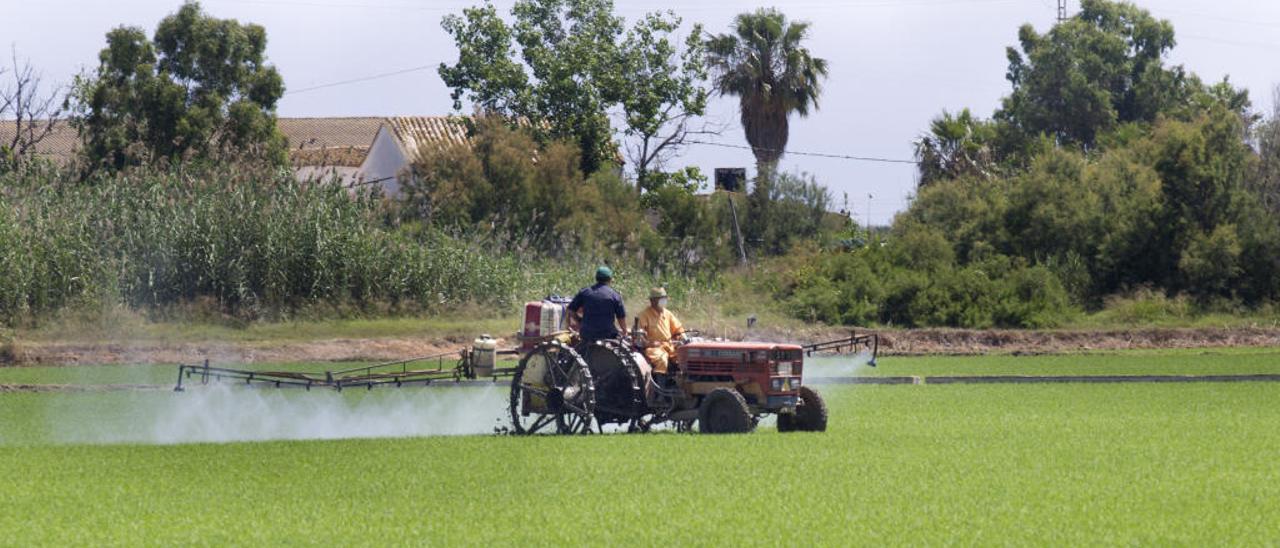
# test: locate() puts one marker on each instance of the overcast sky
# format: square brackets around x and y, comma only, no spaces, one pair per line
[894,64]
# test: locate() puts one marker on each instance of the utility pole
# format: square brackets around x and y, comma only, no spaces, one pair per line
[737,231]
[1062,10]
[869,197]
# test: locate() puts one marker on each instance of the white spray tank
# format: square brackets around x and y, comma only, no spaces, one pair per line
[484,356]
[552,317]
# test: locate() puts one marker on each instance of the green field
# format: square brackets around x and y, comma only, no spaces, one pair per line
[1028,464]
[1217,361]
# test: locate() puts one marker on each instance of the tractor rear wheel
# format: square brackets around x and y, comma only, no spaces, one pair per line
[724,411]
[552,386]
[810,415]
[618,382]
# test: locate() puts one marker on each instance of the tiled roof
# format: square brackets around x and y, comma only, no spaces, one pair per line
[312,133]
[334,141]
[330,142]
[60,145]
[416,132]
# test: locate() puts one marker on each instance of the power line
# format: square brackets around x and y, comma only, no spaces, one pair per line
[360,79]
[817,154]
[373,182]
[695,7]
[1231,42]
[1213,17]
[362,6]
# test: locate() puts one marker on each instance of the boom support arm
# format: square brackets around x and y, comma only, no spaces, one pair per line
[397,373]
[854,343]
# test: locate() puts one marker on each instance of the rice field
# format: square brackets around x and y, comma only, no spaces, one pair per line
[985,464]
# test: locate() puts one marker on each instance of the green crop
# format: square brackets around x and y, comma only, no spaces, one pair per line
[1043,464]
[253,245]
[1223,361]
[247,242]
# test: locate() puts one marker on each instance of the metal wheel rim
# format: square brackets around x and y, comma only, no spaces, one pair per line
[564,374]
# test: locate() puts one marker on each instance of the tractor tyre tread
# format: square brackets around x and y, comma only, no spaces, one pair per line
[811,414]
[786,422]
[724,411]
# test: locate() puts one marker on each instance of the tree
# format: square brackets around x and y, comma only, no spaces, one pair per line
[663,91]
[200,89]
[764,64]
[35,114]
[504,185]
[956,145]
[561,66]
[1266,179]
[783,209]
[1101,68]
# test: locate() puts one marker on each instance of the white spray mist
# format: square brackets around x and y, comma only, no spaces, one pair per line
[837,366]
[223,413]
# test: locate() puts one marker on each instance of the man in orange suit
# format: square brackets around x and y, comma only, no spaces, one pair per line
[661,329]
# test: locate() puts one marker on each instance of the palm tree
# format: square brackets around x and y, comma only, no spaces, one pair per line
[956,145]
[763,63]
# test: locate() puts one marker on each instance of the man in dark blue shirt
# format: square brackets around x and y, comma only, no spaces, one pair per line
[598,309]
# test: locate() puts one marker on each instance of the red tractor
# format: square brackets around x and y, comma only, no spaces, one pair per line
[564,386]
[725,387]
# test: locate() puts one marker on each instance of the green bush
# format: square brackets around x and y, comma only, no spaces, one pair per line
[519,194]
[1145,306]
[892,284]
[1032,298]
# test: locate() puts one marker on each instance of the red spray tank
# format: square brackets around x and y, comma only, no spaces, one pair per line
[543,319]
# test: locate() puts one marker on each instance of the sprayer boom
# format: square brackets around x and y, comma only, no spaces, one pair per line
[853,344]
[398,373]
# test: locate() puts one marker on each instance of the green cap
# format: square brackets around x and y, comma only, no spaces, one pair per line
[604,274]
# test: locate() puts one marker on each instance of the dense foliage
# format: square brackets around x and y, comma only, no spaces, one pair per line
[201,89]
[1104,173]
[252,243]
[563,65]
[1106,176]
[528,197]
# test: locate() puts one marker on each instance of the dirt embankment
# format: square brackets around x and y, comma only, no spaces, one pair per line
[329,350]
[963,341]
[892,342]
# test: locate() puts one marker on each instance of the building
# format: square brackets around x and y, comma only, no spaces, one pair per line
[401,140]
[366,151]
[357,150]
[320,148]
[59,146]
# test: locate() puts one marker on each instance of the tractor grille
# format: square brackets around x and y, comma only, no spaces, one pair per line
[711,368]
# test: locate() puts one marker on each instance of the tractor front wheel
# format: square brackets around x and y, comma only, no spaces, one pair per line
[810,415]
[786,422]
[724,411]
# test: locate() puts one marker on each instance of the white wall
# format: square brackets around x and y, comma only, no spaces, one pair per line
[348,175]
[384,162]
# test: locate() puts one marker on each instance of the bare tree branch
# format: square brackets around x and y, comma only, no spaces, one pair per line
[651,152]
[35,114]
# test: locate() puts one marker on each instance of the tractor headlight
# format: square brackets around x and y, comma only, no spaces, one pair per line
[782,368]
